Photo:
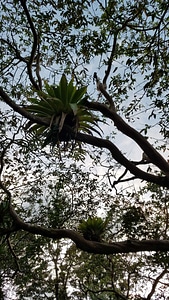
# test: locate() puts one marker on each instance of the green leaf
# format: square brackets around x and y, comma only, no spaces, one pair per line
[63,91]
[78,95]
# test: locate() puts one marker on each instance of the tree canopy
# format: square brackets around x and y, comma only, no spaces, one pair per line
[84,171]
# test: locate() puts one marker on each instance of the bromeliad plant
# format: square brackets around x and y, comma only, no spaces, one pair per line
[93,229]
[61,105]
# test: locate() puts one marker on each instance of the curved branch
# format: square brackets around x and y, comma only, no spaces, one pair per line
[102,290]
[119,157]
[155,284]
[121,125]
[122,26]
[23,112]
[34,46]
[80,241]
[91,246]
[103,143]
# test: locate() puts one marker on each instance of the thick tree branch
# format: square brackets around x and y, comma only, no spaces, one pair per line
[103,143]
[91,246]
[154,156]
[79,240]
[23,112]
[119,157]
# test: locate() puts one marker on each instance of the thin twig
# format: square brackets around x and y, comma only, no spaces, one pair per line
[155,284]
[107,72]
[14,256]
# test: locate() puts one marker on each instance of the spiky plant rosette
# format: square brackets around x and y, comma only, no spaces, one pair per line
[93,228]
[61,105]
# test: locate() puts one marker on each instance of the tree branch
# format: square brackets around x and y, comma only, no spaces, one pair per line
[121,125]
[110,60]
[102,88]
[34,47]
[102,290]
[23,112]
[122,26]
[14,256]
[155,284]
[14,48]
[119,157]
[81,243]
[103,143]
[91,246]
